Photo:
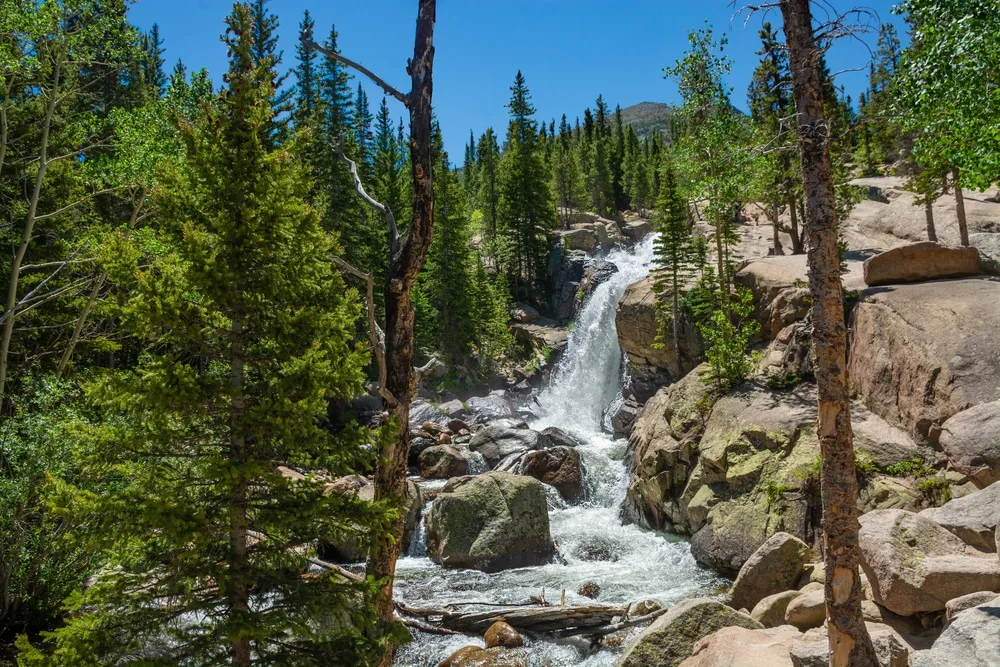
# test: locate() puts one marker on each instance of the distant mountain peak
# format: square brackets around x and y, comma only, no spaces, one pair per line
[647,118]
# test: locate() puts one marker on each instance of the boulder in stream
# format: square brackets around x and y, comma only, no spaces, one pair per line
[490,522]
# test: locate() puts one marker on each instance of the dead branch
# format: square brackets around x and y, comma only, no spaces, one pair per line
[614,627]
[390,220]
[374,332]
[427,627]
[392,92]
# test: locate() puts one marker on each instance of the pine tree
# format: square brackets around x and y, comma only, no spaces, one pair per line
[265,28]
[635,173]
[488,199]
[674,261]
[470,182]
[526,213]
[566,178]
[152,63]
[306,76]
[362,120]
[249,340]
[617,159]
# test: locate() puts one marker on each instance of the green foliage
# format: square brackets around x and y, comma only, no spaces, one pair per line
[40,563]
[775,495]
[783,381]
[936,489]
[944,95]
[727,343]
[915,467]
[525,211]
[864,465]
[249,340]
[673,256]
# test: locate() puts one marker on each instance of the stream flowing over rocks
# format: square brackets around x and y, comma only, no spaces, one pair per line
[627,563]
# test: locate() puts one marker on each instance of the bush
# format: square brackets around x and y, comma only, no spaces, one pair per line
[727,340]
[39,565]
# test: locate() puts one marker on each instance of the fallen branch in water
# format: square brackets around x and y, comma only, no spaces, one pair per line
[585,619]
[614,627]
[427,627]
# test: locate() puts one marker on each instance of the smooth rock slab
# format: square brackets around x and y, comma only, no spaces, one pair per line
[740,647]
[890,649]
[770,612]
[807,611]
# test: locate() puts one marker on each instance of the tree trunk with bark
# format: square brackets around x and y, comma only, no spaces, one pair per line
[929,215]
[794,231]
[29,224]
[850,644]
[963,226]
[776,228]
[406,258]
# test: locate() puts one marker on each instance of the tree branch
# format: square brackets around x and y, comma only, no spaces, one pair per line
[392,92]
[390,220]
[374,333]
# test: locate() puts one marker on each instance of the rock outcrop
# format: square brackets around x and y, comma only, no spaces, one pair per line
[733,646]
[490,522]
[496,442]
[921,353]
[914,565]
[670,639]
[636,321]
[444,462]
[559,467]
[918,262]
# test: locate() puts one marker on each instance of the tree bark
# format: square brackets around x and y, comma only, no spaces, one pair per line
[794,233]
[850,644]
[963,227]
[929,215]
[404,265]
[29,225]
[778,250]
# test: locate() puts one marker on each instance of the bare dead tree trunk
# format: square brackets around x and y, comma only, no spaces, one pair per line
[963,226]
[29,224]
[778,250]
[794,232]
[850,644]
[407,253]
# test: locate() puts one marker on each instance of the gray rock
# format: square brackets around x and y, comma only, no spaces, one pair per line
[770,611]
[444,462]
[490,522]
[972,639]
[914,565]
[559,438]
[497,405]
[971,440]
[421,411]
[453,409]
[496,443]
[559,467]
[973,518]
[807,611]
[814,649]
[773,568]
[960,604]
[671,637]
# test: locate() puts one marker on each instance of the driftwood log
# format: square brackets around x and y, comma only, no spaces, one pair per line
[567,621]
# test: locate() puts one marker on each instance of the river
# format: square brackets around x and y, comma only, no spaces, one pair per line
[629,564]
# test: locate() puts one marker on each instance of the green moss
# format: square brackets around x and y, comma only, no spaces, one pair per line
[915,467]
[937,490]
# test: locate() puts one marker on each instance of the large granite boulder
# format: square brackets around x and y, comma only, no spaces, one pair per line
[973,518]
[923,352]
[775,567]
[496,656]
[565,270]
[490,522]
[671,637]
[637,323]
[971,440]
[559,467]
[421,411]
[754,461]
[914,565]
[972,639]
[496,442]
[813,650]
[807,611]
[770,611]
[918,262]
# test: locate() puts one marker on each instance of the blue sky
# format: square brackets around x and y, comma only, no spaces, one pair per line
[569,50]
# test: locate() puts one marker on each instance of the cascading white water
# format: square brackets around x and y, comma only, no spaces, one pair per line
[628,563]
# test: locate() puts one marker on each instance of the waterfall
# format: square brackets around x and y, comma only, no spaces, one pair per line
[589,377]
[627,563]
